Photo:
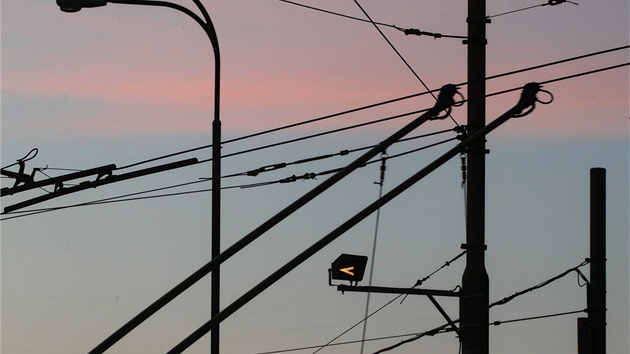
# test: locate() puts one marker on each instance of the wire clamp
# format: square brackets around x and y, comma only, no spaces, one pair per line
[445,102]
[558,2]
[529,99]
[466,246]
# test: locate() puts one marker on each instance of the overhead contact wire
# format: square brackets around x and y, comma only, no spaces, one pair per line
[358,109]
[489,95]
[400,56]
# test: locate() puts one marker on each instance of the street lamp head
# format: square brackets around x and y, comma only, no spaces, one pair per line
[76,5]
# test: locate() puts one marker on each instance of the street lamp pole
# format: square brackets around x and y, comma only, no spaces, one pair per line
[208,27]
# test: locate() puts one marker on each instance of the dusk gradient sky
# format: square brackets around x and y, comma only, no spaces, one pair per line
[123,84]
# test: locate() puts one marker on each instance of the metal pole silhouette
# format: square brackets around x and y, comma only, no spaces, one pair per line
[596,293]
[445,102]
[528,100]
[475,282]
[583,342]
[208,27]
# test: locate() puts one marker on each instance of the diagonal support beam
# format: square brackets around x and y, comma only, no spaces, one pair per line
[446,317]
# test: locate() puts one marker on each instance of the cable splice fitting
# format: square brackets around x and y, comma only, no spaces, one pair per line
[554,2]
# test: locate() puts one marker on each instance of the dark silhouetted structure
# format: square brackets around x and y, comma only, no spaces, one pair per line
[475,283]
[596,293]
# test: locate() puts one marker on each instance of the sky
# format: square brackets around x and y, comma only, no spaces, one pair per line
[124,84]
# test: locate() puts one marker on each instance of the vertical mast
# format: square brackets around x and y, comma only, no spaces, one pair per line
[475,288]
[596,297]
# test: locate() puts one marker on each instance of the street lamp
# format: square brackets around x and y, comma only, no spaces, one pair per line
[208,27]
[74,6]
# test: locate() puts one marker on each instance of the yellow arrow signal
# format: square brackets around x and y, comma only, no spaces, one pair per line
[347,270]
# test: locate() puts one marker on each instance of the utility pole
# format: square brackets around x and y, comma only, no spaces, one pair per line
[475,283]
[596,294]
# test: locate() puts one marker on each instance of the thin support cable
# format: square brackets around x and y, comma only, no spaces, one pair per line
[331,342]
[443,329]
[339,14]
[339,343]
[407,31]
[513,11]
[400,56]
[538,286]
[378,216]
[488,95]
[419,282]
[134,196]
[354,110]
[500,302]
[550,2]
[379,309]
[432,332]
[498,323]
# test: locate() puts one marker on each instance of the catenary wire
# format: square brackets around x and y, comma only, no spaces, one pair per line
[443,329]
[374,105]
[386,304]
[500,302]
[498,323]
[338,14]
[552,80]
[312,175]
[339,343]
[400,56]
[416,112]
[405,30]
[538,286]
[317,135]
[381,184]
[133,196]
[550,2]
[276,166]
[495,94]
[492,94]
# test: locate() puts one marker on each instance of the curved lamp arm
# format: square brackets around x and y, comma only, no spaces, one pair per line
[77,5]
[208,27]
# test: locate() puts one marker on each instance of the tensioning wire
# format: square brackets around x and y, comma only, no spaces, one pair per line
[374,105]
[489,95]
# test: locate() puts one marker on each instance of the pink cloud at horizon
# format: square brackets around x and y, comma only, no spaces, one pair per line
[149,84]
[141,107]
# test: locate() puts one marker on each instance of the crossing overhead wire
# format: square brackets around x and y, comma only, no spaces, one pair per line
[562,78]
[339,343]
[116,199]
[500,302]
[313,175]
[136,195]
[420,111]
[400,55]
[447,264]
[538,286]
[316,135]
[285,127]
[338,14]
[498,323]
[381,185]
[550,2]
[362,108]
[27,157]
[24,213]
[444,329]
[441,329]
[276,166]
[407,31]
[562,61]
[330,343]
